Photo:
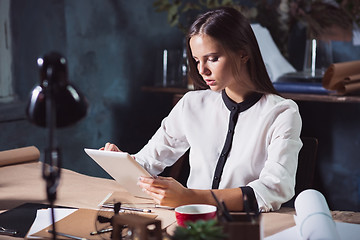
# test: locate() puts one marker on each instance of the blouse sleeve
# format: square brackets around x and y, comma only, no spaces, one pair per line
[276,183]
[167,145]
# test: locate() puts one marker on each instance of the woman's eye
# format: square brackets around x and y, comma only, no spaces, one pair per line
[213,59]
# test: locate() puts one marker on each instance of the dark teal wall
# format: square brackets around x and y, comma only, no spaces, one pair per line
[337,174]
[110,46]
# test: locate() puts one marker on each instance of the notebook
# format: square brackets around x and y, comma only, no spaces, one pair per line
[122,167]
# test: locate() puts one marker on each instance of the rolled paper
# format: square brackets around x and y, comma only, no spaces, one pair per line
[351,84]
[339,75]
[313,218]
[19,155]
[350,87]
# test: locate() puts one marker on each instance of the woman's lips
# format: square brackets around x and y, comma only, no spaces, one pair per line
[210,82]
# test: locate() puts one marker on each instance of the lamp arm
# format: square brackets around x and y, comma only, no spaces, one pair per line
[52,161]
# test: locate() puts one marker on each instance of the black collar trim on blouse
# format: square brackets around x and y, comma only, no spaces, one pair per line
[244,105]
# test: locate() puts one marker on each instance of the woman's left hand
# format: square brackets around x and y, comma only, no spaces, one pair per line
[166,191]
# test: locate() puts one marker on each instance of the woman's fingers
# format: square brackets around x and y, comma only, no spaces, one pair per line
[157,197]
[110,147]
[161,182]
[164,190]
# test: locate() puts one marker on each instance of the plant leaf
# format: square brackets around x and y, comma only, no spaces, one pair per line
[200,230]
[227,3]
[173,15]
[161,5]
[190,6]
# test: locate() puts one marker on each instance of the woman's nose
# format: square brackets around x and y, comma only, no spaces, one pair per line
[203,70]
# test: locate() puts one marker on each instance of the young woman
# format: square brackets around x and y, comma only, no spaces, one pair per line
[243,137]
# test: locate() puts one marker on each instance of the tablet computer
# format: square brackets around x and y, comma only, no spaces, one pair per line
[122,167]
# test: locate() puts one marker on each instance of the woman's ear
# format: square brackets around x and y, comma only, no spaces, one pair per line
[244,56]
[244,59]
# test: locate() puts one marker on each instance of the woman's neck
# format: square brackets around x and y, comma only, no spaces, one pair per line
[237,95]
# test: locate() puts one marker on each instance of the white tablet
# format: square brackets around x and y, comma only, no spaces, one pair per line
[122,167]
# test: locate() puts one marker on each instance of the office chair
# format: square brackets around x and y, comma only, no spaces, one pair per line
[180,170]
[306,167]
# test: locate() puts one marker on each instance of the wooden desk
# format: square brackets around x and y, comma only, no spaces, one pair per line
[22,183]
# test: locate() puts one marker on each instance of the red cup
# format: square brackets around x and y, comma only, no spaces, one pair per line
[194,212]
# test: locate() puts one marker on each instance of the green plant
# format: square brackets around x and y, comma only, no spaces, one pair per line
[181,12]
[199,230]
[329,20]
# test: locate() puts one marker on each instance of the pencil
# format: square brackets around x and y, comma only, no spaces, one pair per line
[144,210]
[101,231]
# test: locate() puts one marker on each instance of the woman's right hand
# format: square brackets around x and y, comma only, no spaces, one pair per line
[110,147]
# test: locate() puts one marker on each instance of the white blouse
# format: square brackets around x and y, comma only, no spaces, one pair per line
[264,152]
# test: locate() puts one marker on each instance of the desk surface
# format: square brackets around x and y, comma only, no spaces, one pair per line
[23,183]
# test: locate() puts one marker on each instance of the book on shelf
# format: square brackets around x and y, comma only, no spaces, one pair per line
[301,87]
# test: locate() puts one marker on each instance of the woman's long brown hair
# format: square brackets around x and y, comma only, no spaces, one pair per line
[233,31]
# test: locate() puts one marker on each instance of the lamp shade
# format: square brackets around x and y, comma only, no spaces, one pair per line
[68,102]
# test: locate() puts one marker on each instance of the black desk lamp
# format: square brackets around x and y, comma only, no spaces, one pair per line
[53,104]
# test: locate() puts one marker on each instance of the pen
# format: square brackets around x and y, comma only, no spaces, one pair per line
[9,232]
[145,210]
[66,235]
[101,231]
[222,209]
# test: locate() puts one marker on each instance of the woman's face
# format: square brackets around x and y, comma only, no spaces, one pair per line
[212,62]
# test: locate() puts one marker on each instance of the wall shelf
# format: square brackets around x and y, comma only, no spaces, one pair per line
[294,96]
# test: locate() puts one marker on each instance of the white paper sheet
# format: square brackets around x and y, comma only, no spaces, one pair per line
[313,218]
[43,219]
[356,35]
[276,64]
[314,221]
[347,231]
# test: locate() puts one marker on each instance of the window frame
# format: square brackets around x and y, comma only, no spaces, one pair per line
[6,76]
